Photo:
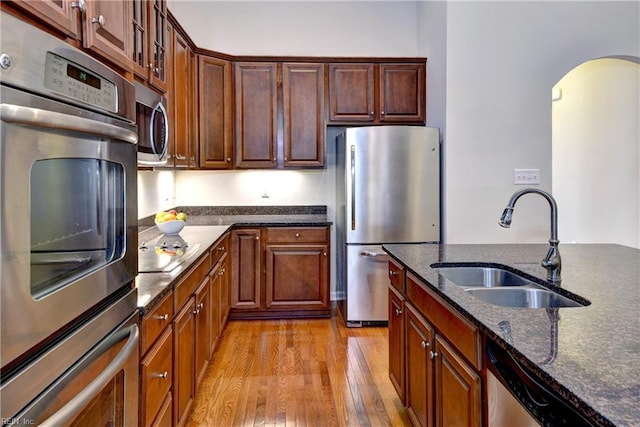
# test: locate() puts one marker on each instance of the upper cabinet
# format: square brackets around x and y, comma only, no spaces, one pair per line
[215,115]
[256,114]
[303,114]
[61,15]
[107,30]
[150,41]
[371,93]
[100,26]
[279,115]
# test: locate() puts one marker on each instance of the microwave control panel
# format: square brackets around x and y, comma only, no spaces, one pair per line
[75,81]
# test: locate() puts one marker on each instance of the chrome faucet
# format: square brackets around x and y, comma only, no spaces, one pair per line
[552,262]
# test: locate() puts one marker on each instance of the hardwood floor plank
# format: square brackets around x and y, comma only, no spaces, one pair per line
[298,372]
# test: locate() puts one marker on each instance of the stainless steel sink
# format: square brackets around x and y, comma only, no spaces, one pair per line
[523,297]
[488,277]
[499,286]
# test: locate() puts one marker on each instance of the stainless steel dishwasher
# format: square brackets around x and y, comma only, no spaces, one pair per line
[516,398]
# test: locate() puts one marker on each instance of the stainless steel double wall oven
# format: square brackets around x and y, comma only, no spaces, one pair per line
[68,235]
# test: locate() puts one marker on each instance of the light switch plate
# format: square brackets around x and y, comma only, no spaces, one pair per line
[526,176]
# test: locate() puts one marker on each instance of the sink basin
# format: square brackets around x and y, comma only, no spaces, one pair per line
[524,297]
[499,286]
[487,277]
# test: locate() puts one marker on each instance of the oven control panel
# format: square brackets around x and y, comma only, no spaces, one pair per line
[75,81]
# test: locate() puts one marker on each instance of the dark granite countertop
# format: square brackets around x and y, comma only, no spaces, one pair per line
[205,226]
[596,363]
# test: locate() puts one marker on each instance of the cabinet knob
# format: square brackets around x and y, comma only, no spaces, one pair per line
[220,248]
[286,158]
[228,159]
[399,312]
[180,157]
[221,272]
[163,375]
[196,311]
[257,237]
[297,234]
[163,317]
[424,344]
[392,273]
[200,306]
[99,20]
[371,114]
[80,4]
[382,113]
[433,354]
[324,253]
[274,159]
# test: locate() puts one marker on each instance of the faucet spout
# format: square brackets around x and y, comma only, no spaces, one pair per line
[552,261]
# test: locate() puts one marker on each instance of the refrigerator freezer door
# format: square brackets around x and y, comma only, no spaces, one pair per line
[367,283]
[392,176]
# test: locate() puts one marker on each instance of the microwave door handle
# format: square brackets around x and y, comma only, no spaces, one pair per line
[159,108]
[80,401]
[49,119]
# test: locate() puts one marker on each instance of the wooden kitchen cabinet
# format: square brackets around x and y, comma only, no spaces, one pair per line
[215,113]
[377,93]
[183,144]
[204,324]
[150,42]
[285,276]
[107,31]
[256,113]
[397,342]
[442,358]
[184,385]
[303,112]
[246,269]
[102,27]
[279,115]
[156,379]
[297,270]
[63,16]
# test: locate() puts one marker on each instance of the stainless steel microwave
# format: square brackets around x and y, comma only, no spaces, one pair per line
[153,126]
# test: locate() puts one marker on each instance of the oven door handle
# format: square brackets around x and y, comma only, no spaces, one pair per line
[50,119]
[80,401]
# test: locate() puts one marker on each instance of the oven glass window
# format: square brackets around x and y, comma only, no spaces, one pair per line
[77,215]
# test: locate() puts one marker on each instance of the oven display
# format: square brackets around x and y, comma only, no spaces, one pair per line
[75,81]
[82,76]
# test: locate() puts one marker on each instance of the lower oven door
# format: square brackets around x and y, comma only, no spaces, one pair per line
[98,389]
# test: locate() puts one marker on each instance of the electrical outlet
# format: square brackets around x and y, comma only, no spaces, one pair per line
[526,176]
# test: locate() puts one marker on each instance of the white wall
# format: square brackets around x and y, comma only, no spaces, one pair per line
[503,59]
[596,152]
[301,28]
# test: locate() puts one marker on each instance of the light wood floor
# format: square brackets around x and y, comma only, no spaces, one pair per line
[298,373]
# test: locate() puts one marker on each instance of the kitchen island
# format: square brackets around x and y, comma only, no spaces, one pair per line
[595,360]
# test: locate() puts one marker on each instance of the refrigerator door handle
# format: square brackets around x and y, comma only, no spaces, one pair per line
[377,256]
[353,187]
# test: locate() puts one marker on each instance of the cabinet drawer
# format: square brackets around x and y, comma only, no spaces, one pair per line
[396,276]
[188,285]
[297,234]
[457,330]
[156,377]
[221,248]
[155,321]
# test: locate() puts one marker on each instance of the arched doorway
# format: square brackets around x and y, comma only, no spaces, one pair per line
[596,152]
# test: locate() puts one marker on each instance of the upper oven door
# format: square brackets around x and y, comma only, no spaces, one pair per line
[68,223]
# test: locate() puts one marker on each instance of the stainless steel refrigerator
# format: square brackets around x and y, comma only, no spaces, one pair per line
[388,191]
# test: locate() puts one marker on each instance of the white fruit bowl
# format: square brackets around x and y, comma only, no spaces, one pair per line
[170,227]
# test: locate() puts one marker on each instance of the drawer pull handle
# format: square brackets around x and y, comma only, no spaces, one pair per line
[424,344]
[433,354]
[163,375]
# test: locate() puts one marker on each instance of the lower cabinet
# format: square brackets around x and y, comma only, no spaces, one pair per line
[441,372]
[287,275]
[184,326]
[176,350]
